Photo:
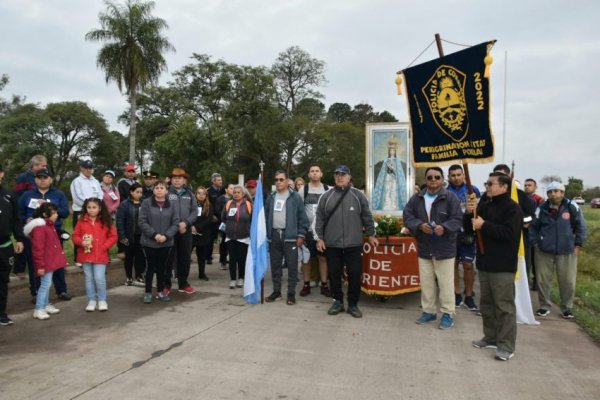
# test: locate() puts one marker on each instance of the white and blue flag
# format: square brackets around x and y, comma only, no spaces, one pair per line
[257,260]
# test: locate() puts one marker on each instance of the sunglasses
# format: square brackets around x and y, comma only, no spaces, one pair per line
[280,179]
[432,177]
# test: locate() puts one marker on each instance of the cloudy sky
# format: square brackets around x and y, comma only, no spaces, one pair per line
[552,48]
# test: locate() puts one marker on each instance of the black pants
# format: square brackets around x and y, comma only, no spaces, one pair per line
[222,248]
[134,256]
[214,233]
[7,261]
[58,277]
[182,258]
[202,254]
[20,263]
[337,258]
[237,259]
[156,263]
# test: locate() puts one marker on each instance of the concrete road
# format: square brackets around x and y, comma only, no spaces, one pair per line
[212,345]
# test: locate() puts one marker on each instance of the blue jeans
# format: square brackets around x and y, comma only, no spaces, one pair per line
[95,281]
[41,300]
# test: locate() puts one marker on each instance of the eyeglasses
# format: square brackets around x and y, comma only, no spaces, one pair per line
[280,179]
[488,183]
[340,174]
[432,177]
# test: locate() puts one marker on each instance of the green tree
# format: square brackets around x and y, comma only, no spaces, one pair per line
[132,55]
[574,188]
[339,112]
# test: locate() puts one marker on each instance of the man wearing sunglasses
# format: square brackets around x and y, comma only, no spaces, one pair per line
[287,225]
[434,216]
[499,219]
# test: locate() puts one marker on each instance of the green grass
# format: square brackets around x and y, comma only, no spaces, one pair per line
[587,291]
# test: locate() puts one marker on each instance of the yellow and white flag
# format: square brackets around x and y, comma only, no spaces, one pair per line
[522,298]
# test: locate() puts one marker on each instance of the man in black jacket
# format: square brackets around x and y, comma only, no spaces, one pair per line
[499,219]
[9,225]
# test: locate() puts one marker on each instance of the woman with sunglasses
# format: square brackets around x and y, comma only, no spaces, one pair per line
[434,216]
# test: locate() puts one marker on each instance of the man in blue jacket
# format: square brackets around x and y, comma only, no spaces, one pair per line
[287,225]
[559,232]
[29,201]
[434,216]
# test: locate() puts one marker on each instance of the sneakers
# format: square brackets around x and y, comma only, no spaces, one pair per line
[425,318]
[470,303]
[187,290]
[5,321]
[203,277]
[240,283]
[40,314]
[50,309]
[291,299]
[457,299]
[504,355]
[164,295]
[542,312]
[167,291]
[305,290]
[139,281]
[354,311]
[129,282]
[567,314]
[102,306]
[273,297]
[64,296]
[336,308]
[91,306]
[231,284]
[447,321]
[147,298]
[482,344]
[325,291]
[224,266]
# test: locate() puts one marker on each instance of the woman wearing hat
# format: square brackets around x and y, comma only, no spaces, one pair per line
[111,196]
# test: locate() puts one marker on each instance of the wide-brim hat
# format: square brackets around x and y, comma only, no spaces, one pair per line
[179,172]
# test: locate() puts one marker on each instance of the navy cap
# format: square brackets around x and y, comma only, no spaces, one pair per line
[43,172]
[342,169]
[86,164]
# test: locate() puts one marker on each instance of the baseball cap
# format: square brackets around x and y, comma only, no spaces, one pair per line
[554,185]
[43,172]
[342,169]
[251,184]
[110,172]
[130,168]
[87,164]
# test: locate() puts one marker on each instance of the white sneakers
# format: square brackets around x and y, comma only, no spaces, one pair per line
[240,283]
[40,314]
[50,309]
[91,306]
[231,284]
[102,306]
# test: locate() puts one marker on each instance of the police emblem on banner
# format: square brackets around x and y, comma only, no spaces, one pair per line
[449,108]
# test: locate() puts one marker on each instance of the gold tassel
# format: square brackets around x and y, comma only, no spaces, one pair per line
[399,83]
[488,62]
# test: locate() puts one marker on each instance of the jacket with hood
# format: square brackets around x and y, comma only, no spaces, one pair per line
[46,249]
[103,238]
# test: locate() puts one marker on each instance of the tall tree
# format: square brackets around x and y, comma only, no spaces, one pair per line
[132,55]
[574,188]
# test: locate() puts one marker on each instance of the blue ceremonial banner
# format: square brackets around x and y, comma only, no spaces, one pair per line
[257,260]
[449,108]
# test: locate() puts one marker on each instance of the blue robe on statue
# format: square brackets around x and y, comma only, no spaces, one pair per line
[389,193]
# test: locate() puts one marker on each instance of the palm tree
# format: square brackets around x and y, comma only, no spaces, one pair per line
[133,52]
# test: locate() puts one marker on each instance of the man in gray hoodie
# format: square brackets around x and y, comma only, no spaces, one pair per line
[343,214]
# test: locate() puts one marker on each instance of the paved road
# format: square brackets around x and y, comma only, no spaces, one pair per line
[214,346]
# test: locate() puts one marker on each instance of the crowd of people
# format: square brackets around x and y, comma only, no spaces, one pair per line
[157,224]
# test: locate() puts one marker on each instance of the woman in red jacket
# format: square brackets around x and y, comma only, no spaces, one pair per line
[94,235]
[48,255]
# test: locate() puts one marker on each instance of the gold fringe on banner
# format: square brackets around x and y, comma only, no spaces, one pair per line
[488,60]
[399,83]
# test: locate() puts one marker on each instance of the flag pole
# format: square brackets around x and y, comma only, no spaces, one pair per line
[438,42]
[261,164]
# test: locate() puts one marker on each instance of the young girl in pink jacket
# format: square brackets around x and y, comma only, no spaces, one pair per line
[94,235]
[48,255]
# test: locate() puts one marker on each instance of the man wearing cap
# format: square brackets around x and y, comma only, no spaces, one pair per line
[9,226]
[28,203]
[559,231]
[84,187]
[150,178]
[251,186]
[287,225]
[343,214]
[434,216]
[186,208]
[215,191]
[110,194]
[125,183]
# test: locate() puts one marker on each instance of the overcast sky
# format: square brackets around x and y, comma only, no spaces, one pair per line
[553,48]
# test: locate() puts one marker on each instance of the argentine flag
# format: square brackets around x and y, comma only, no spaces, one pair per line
[257,260]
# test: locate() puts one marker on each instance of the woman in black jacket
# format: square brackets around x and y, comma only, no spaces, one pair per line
[202,231]
[130,233]
[237,215]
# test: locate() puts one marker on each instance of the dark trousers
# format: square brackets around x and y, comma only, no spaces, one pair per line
[58,277]
[7,260]
[202,253]
[237,259]
[156,263]
[214,233]
[134,256]
[337,258]
[20,263]
[498,309]
[280,251]
[181,257]
[75,220]
[530,262]
[222,248]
